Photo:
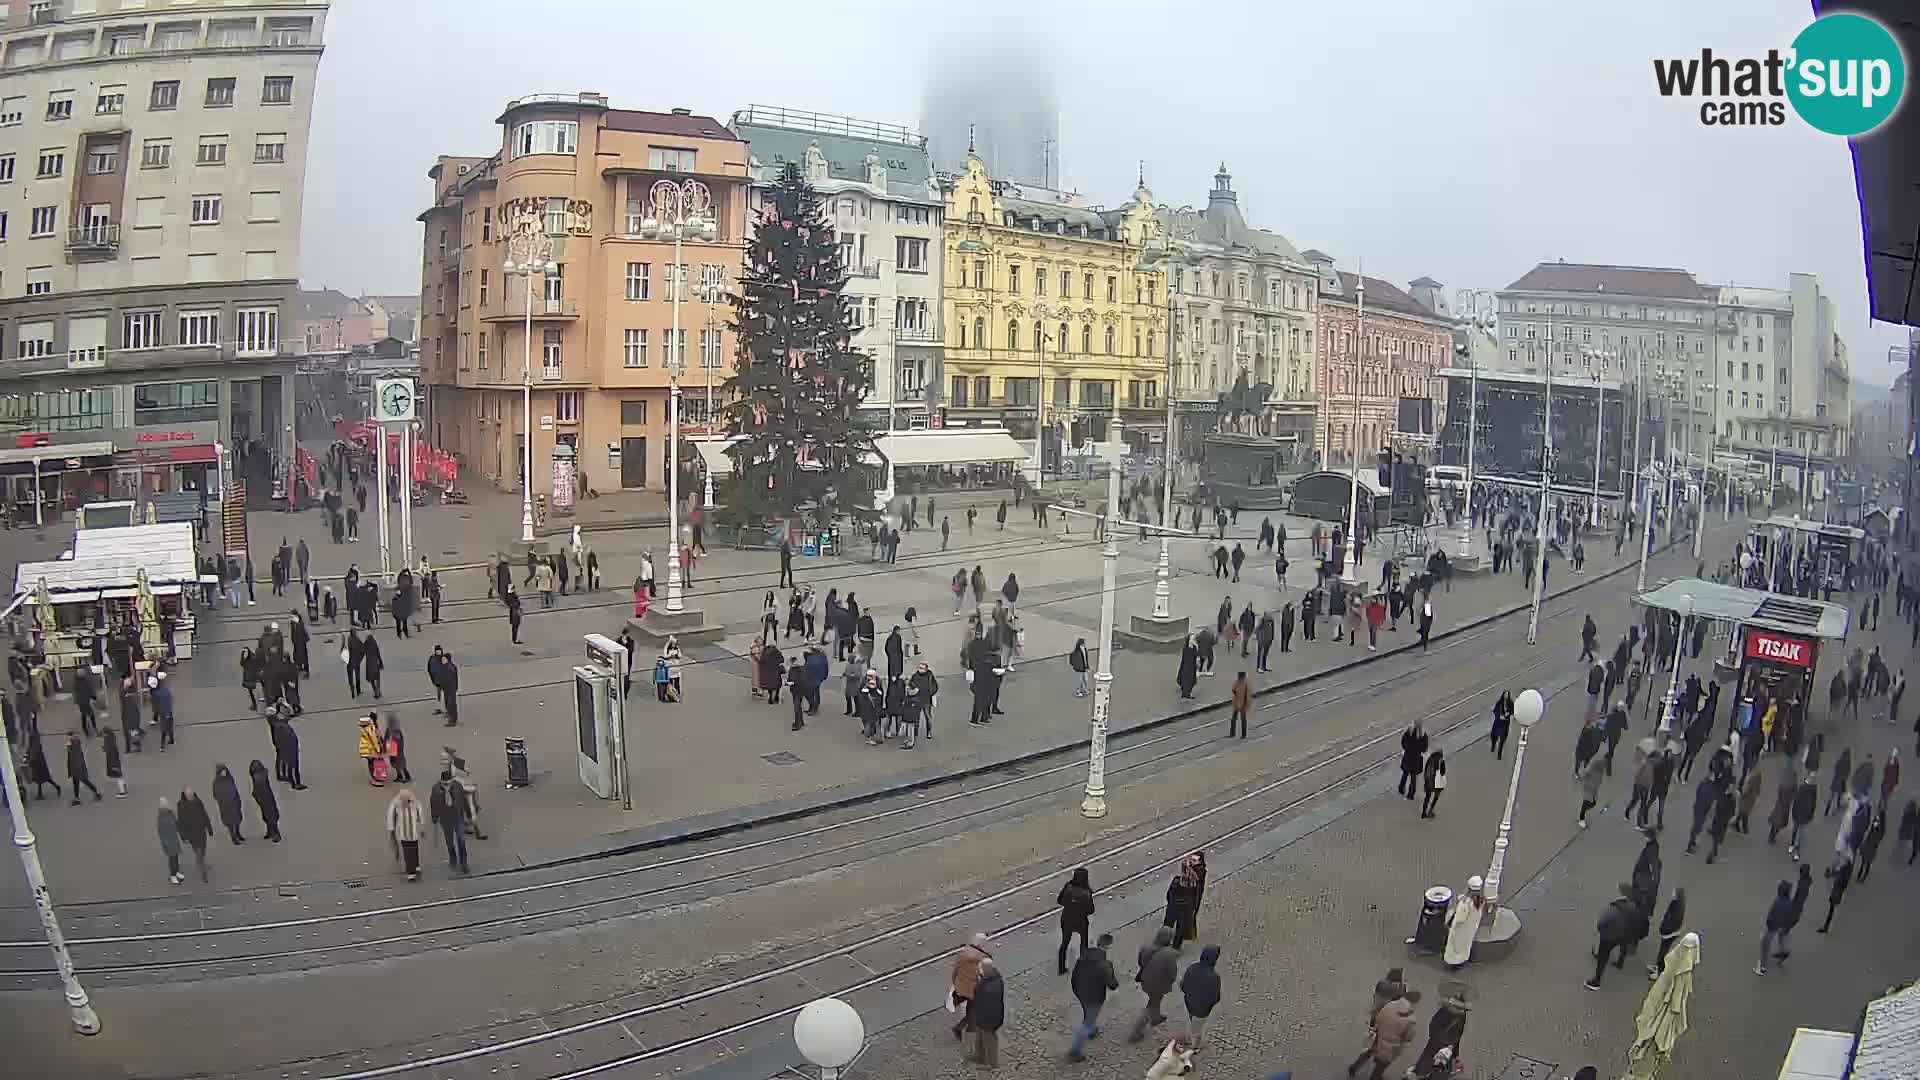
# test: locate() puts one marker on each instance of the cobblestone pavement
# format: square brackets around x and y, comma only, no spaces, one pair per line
[720,751]
[500,985]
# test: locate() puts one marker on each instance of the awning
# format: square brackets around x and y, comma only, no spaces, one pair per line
[85,596]
[1748,607]
[168,455]
[950,446]
[27,455]
[713,456]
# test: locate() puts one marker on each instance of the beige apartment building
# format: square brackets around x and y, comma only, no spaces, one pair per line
[584,182]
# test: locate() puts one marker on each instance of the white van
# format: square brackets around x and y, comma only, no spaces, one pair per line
[1448,478]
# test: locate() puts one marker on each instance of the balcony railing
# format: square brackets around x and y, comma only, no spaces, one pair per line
[552,373]
[515,307]
[93,239]
[863,269]
[924,335]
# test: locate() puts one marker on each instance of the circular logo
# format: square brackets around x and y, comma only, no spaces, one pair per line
[1848,74]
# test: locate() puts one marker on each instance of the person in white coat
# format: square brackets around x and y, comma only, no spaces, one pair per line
[405,822]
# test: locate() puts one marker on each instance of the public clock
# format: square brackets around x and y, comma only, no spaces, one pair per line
[395,399]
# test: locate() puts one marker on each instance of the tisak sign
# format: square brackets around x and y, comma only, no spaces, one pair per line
[1779,648]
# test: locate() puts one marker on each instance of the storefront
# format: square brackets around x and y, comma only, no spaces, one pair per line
[1776,666]
[40,480]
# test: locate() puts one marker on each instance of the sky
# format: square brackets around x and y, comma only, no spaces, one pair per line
[1464,141]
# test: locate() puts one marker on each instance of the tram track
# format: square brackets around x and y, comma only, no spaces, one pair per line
[1186,742]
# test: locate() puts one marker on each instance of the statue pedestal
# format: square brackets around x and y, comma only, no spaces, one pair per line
[1148,634]
[1497,935]
[689,625]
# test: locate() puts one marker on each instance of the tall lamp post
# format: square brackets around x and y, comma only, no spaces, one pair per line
[1350,573]
[1095,803]
[1528,707]
[1157,256]
[529,252]
[79,1010]
[1477,323]
[1546,487]
[680,210]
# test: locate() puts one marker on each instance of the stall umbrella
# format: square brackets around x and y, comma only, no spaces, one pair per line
[1663,1015]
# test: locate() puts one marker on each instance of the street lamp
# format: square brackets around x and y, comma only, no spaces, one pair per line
[1605,357]
[1158,254]
[529,252]
[1546,487]
[1673,683]
[79,1011]
[1527,710]
[1350,573]
[1481,323]
[680,210]
[830,1034]
[1095,804]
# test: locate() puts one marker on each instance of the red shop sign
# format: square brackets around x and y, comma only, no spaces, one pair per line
[165,437]
[1779,648]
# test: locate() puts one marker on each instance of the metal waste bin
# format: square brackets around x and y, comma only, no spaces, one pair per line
[517,775]
[1430,933]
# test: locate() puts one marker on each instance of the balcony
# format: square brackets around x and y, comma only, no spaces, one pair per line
[917,335]
[1146,403]
[513,308]
[863,269]
[98,239]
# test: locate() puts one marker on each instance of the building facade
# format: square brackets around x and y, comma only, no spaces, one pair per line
[1787,389]
[155,159]
[1244,302]
[590,188]
[877,187]
[1378,365]
[1044,292]
[328,321]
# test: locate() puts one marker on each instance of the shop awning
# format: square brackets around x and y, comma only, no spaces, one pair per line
[950,446]
[1748,607]
[713,456]
[168,455]
[84,596]
[27,455]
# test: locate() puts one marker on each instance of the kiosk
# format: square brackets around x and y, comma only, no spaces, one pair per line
[143,575]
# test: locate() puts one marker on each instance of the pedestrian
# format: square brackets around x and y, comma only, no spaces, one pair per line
[1806,799]
[1426,624]
[372,750]
[1445,1030]
[1502,724]
[263,798]
[1890,778]
[168,827]
[1200,992]
[1077,663]
[448,806]
[1750,789]
[1842,768]
[116,770]
[1839,875]
[77,768]
[194,826]
[514,615]
[1076,912]
[1782,812]
[1188,674]
[1413,760]
[405,824]
[394,742]
[964,980]
[1388,1035]
[39,774]
[1436,782]
[1093,978]
[1723,814]
[1586,745]
[1670,927]
[1242,701]
[226,797]
[1387,989]
[1616,927]
[989,996]
[1183,903]
[1159,967]
[1910,829]
[1590,780]
[1870,844]
[1779,919]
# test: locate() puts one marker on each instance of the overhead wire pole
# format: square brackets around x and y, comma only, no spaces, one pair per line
[79,1009]
[1350,573]
[1546,486]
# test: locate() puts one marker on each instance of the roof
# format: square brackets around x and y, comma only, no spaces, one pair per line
[950,446]
[1795,524]
[325,304]
[1316,255]
[1748,607]
[1383,295]
[680,122]
[1889,1044]
[1662,282]
[773,146]
[1229,231]
[1025,210]
[407,304]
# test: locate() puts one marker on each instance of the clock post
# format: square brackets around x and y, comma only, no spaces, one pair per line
[395,402]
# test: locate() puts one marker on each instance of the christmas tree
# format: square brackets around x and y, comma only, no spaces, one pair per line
[794,402]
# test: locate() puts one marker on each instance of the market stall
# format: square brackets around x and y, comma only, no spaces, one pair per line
[140,575]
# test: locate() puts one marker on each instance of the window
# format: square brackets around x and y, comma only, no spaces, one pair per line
[484,278]
[176,36]
[213,150]
[164,95]
[199,328]
[36,339]
[44,219]
[276,90]
[957,391]
[269,149]
[1038,336]
[638,284]
[124,43]
[206,210]
[103,160]
[633,413]
[52,164]
[480,346]
[713,286]
[3,226]
[554,219]
[175,402]
[669,159]
[60,105]
[1086,338]
[12,110]
[556,284]
[550,354]
[982,389]
[39,280]
[147,210]
[259,331]
[111,102]
[633,349]
[979,335]
[979,280]
[1013,280]
[486,224]
[219,93]
[710,348]
[156,153]
[910,255]
[263,206]
[566,407]
[141,330]
[1113,288]
[1108,349]
[1013,334]
[1759,344]
[1086,288]
[546,137]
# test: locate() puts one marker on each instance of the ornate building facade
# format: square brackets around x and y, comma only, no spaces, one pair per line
[1244,303]
[1052,323]
[1378,364]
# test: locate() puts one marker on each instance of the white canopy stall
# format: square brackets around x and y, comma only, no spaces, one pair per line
[146,574]
[944,447]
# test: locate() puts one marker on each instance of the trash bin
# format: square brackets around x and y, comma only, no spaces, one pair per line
[1430,933]
[517,775]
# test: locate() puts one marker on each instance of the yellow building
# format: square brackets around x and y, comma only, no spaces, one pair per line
[1044,291]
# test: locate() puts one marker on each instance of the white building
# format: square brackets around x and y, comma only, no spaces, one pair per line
[1786,387]
[152,158]
[877,187]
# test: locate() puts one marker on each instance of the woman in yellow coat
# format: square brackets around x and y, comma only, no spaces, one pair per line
[370,749]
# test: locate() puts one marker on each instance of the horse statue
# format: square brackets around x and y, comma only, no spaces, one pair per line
[1242,405]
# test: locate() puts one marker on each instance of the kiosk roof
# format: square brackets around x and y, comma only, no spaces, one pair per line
[1749,607]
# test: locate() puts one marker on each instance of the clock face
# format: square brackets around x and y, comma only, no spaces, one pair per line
[397,399]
